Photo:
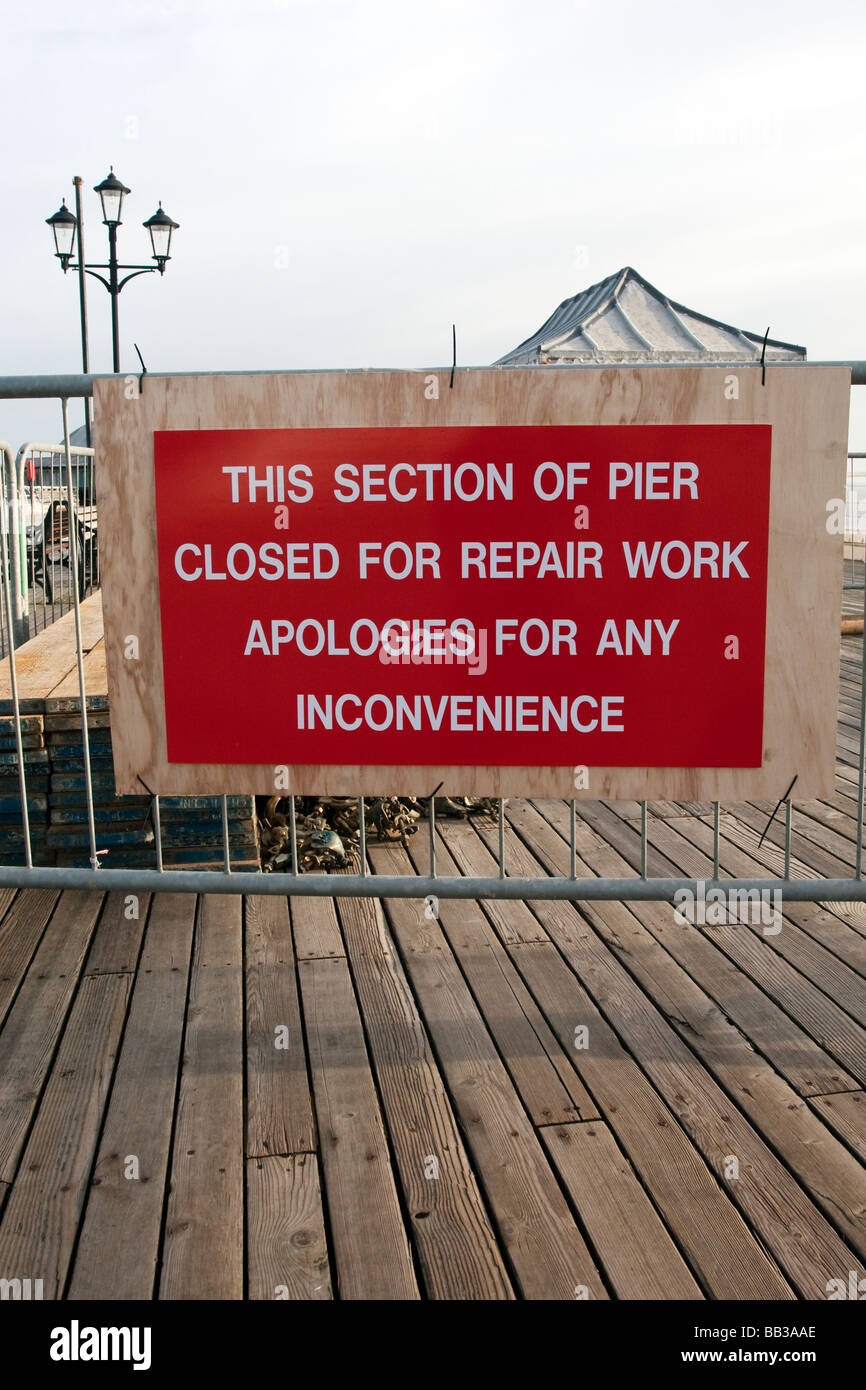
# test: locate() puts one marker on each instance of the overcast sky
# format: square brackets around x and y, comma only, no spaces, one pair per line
[350,178]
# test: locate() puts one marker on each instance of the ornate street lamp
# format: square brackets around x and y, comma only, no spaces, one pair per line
[64,225]
[160,227]
[111,192]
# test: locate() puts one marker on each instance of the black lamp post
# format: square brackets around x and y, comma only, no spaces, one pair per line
[64,226]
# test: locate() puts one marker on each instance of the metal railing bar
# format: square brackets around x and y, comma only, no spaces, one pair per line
[573,845]
[293,835]
[501,838]
[157,831]
[788,817]
[79,649]
[410,886]
[362,828]
[41,386]
[227,857]
[5,531]
[431,830]
[643,855]
[715,839]
[44,557]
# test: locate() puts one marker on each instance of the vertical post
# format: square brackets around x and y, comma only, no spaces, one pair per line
[362,834]
[293,830]
[79,648]
[13,520]
[227,857]
[82,300]
[643,839]
[114,292]
[157,830]
[431,831]
[501,838]
[788,838]
[5,458]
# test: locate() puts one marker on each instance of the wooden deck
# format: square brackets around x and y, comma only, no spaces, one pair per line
[320,1099]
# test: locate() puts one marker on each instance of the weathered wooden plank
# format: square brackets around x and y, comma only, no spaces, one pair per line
[544,1077]
[60,838]
[638,1255]
[202,1255]
[30,724]
[36,1019]
[41,1217]
[20,932]
[316,930]
[288,1254]
[745,826]
[816,941]
[117,940]
[71,723]
[782,965]
[826,852]
[453,1236]
[36,783]
[546,1249]
[33,758]
[461,840]
[103,799]
[371,1250]
[806,1247]
[9,743]
[10,806]
[765,1022]
[76,781]
[838,926]
[69,741]
[846,1112]
[124,1206]
[114,816]
[823,1166]
[7,898]
[65,696]
[44,661]
[279,1108]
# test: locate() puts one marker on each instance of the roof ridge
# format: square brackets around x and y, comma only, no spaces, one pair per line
[573,316]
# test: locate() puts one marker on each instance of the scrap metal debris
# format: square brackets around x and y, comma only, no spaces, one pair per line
[327,828]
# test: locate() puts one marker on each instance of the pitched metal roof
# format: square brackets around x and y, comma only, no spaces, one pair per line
[626,319]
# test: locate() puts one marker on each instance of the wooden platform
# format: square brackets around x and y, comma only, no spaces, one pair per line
[49,694]
[349,1099]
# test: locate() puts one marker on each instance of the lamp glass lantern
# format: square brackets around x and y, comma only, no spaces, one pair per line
[111,192]
[160,226]
[64,225]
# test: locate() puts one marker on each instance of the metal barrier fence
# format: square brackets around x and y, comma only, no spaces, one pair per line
[855,515]
[47,528]
[20,568]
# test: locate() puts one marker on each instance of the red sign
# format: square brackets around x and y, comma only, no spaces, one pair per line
[515,596]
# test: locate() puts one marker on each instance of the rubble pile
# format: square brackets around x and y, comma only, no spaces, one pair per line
[327,828]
